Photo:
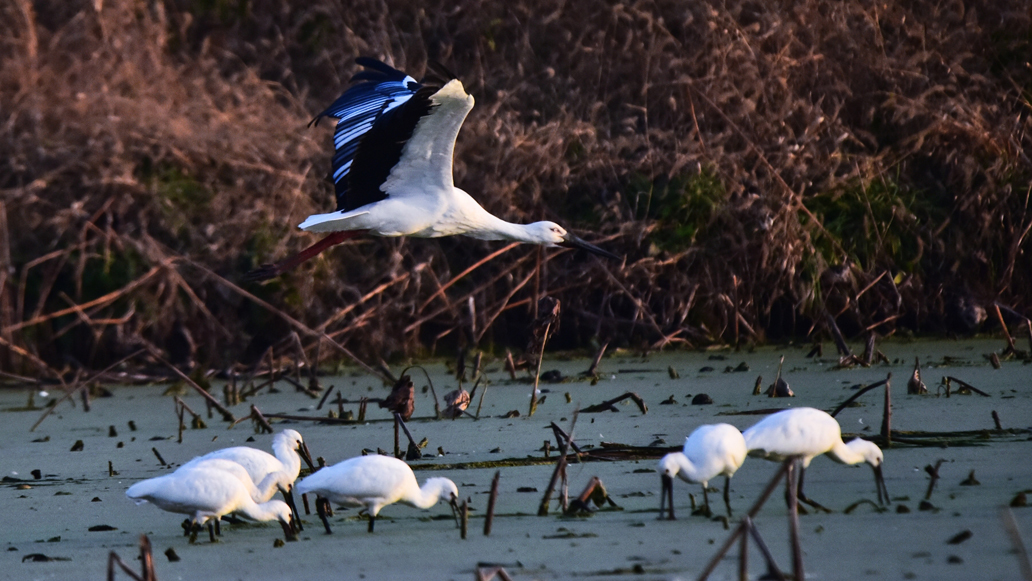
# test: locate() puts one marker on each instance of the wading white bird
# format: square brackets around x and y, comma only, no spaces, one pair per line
[392,168]
[208,490]
[373,482]
[708,452]
[269,473]
[807,433]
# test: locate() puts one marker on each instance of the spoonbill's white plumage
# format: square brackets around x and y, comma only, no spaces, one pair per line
[392,168]
[269,473]
[208,490]
[807,433]
[374,482]
[708,452]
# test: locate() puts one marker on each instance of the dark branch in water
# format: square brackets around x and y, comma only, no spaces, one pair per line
[968,386]
[859,393]
[608,404]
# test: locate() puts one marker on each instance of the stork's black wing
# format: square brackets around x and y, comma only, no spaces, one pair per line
[375,119]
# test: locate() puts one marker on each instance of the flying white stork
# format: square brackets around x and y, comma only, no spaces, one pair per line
[392,168]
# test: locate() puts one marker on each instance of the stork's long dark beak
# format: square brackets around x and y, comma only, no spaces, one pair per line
[879,483]
[288,495]
[302,451]
[289,530]
[571,241]
[453,502]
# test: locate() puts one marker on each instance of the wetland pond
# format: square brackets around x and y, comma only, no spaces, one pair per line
[70,506]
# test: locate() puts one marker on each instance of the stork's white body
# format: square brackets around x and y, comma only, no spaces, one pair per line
[710,451]
[433,214]
[206,490]
[807,433]
[373,482]
[271,473]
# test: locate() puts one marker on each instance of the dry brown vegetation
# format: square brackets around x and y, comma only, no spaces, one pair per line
[758,163]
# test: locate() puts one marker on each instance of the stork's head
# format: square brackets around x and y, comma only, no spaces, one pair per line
[281,511]
[677,464]
[872,455]
[552,234]
[668,465]
[447,489]
[291,437]
[869,450]
[285,516]
[292,440]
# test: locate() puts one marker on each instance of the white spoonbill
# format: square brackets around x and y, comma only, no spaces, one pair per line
[373,482]
[708,452]
[392,168]
[269,473]
[807,433]
[209,490]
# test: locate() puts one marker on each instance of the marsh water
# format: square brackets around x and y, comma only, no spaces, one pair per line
[983,470]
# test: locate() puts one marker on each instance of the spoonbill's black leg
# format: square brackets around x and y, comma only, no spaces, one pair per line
[705,510]
[322,507]
[666,494]
[727,495]
[801,496]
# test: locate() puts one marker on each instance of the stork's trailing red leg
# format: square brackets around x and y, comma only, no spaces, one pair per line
[267,271]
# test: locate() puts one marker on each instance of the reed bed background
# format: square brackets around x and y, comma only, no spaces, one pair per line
[761,165]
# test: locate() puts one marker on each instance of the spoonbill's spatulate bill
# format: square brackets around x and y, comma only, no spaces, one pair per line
[269,473]
[209,490]
[807,433]
[374,482]
[708,452]
[392,168]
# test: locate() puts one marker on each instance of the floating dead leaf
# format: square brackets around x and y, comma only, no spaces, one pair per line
[960,537]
